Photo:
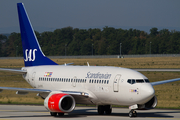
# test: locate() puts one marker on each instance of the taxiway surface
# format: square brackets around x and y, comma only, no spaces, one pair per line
[25,112]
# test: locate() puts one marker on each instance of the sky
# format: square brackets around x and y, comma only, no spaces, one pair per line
[48,15]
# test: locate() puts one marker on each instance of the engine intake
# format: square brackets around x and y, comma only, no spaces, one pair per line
[149,105]
[60,102]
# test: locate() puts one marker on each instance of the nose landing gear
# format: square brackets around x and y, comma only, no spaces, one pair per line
[132,113]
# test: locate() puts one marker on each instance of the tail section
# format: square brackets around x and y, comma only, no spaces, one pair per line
[33,55]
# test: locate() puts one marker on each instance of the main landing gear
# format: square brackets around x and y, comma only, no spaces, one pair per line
[132,113]
[104,109]
[55,114]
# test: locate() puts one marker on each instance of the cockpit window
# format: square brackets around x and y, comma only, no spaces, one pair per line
[139,81]
[133,81]
[146,80]
[129,81]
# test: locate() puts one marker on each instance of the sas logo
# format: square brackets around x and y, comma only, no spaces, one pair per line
[30,55]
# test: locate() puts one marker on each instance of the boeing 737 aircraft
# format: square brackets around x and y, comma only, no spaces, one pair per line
[62,86]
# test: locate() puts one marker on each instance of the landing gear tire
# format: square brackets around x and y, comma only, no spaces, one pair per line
[60,114]
[100,109]
[108,109]
[104,109]
[132,113]
[53,113]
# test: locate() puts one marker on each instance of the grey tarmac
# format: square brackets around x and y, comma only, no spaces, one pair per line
[27,112]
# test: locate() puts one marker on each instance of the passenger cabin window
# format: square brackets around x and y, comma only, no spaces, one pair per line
[66,80]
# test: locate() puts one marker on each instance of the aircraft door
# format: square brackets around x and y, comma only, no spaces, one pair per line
[33,79]
[116,83]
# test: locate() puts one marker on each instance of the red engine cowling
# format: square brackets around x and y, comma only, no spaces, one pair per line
[59,102]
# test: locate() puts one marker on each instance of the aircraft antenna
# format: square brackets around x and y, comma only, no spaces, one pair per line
[88,64]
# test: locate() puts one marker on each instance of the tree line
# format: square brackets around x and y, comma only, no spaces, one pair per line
[106,41]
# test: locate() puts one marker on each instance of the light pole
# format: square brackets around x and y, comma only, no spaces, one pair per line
[120,50]
[92,49]
[150,48]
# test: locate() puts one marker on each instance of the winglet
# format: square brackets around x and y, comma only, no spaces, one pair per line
[33,55]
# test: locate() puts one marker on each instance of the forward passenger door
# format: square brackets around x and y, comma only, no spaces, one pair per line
[116,83]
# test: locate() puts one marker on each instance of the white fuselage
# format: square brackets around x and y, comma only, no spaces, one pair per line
[105,85]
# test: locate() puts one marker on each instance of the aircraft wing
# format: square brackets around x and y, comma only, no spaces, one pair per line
[158,70]
[68,64]
[18,71]
[164,81]
[26,90]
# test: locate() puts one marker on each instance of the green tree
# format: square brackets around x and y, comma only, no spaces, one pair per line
[3,39]
[175,42]
[153,32]
[13,45]
[86,48]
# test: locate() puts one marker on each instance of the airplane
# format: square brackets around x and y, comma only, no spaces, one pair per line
[63,86]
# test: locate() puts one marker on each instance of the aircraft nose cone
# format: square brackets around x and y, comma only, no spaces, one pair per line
[147,91]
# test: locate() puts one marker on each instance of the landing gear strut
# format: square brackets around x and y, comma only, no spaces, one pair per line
[104,109]
[132,113]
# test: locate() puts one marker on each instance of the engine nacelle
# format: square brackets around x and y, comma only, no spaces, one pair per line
[149,105]
[59,102]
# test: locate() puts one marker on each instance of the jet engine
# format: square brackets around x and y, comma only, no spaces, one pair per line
[149,105]
[59,102]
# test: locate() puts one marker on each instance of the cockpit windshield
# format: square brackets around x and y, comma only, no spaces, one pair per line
[146,80]
[139,81]
[133,81]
